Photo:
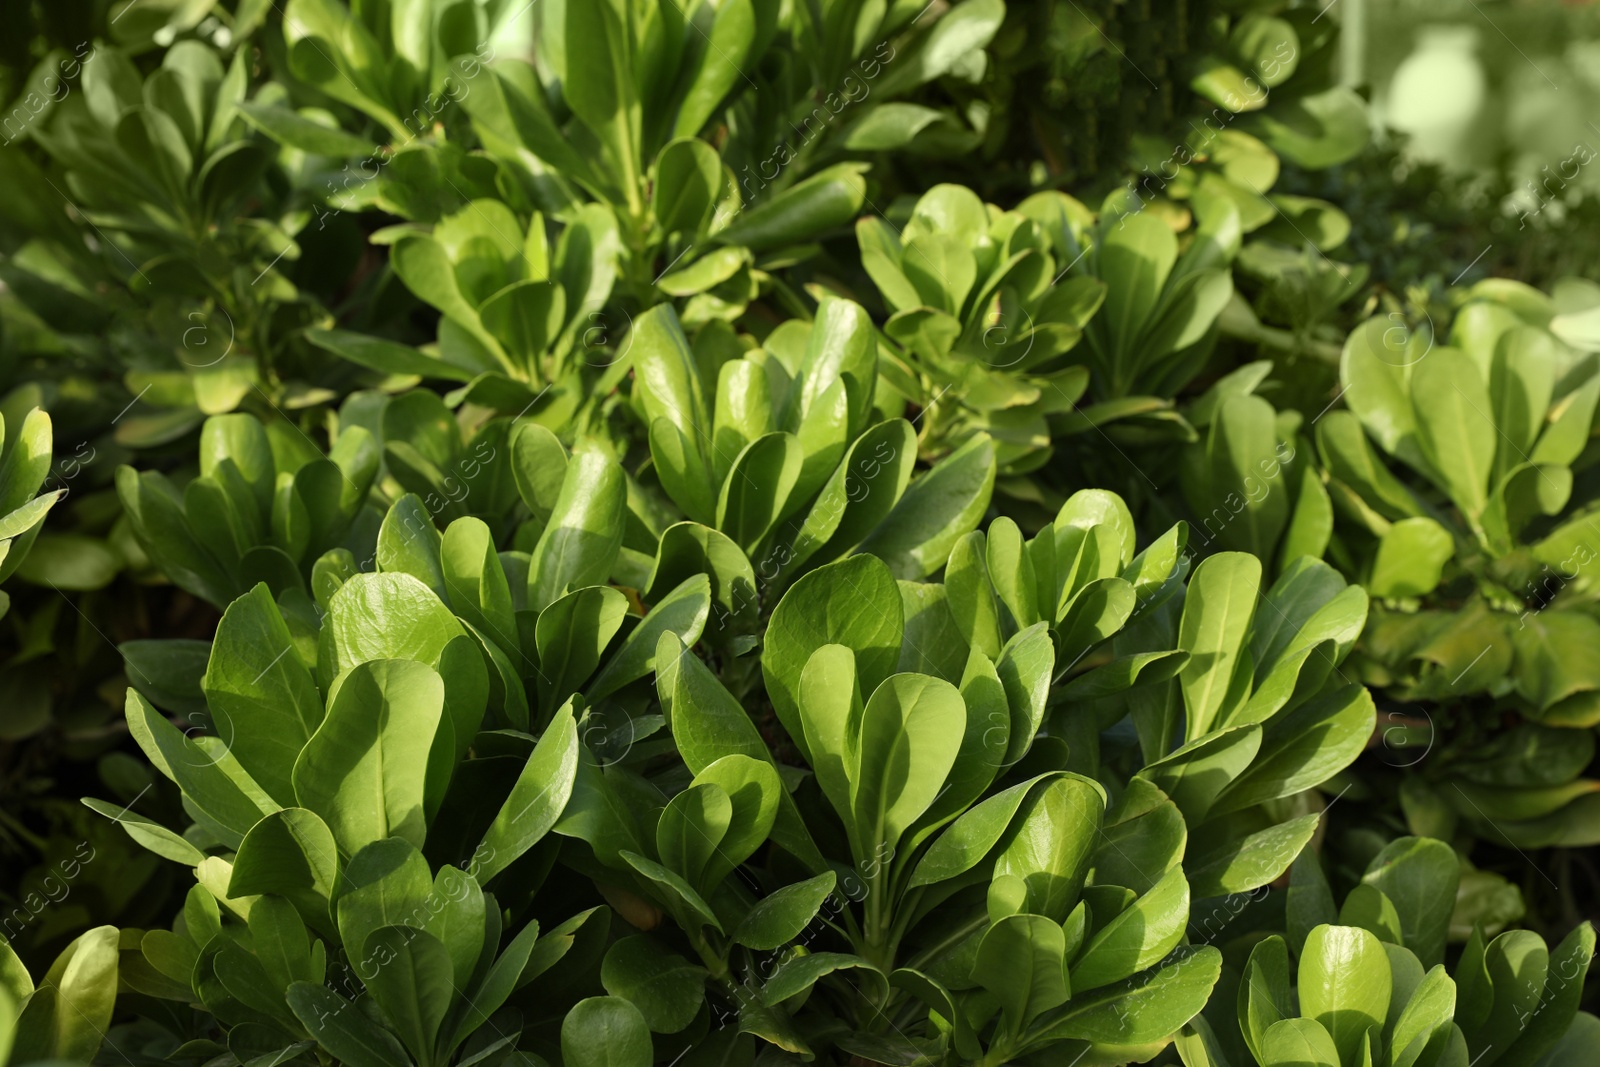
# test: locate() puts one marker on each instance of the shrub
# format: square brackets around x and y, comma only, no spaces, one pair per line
[592,607]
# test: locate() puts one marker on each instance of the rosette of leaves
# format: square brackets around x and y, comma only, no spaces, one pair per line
[1452,476]
[24,466]
[1275,67]
[785,454]
[1415,891]
[554,533]
[1293,295]
[1158,324]
[1234,694]
[1079,577]
[520,323]
[985,332]
[609,114]
[933,846]
[1252,713]
[264,506]
[65,1017]
[164,176]
[359,830]
[457,463]
[1251,481]
[546,621]
[863,79]
[399,66]
[1370,984]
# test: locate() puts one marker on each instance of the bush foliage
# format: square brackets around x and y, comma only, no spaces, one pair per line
[611,533]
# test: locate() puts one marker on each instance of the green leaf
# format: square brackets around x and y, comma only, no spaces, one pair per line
[707,722]
[1302,1042]
[1149,1007]
[1217,613]
[599,84]
[962,31]
[342,1029]
[1558,1003]
[858,496]
[1411,558]
[890,126]
[1420,877]
[1195,774]
[605,1032]
[1455,429]
[1551,666]
[1521,379]
[364,769]
[1025,668]
[152,835]
[682,613]
[1375,366]
[264,698]
[1142,839]
[1251,860]
[410,978]
[475,581]
[458,921]
[688,181]
[211,779]
[539,464]
[799,973]
[667,989]
[937,510]
[675,410]
[1053,844]
[290,853]
[536,800]
[502,980]
[1344,985]
[910,732]
[1426,1016]
[854,603]
[757,491]
[1500,997]
[1571,420]
[297,131]
[388,616]
[754,790]
[67,1016]
[1264,995]
[580,543]
[1304,748]
[674,889]
[1021,960]
[783,915]
[1138,937]
[829,199]
[572,635]
[1371,911]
